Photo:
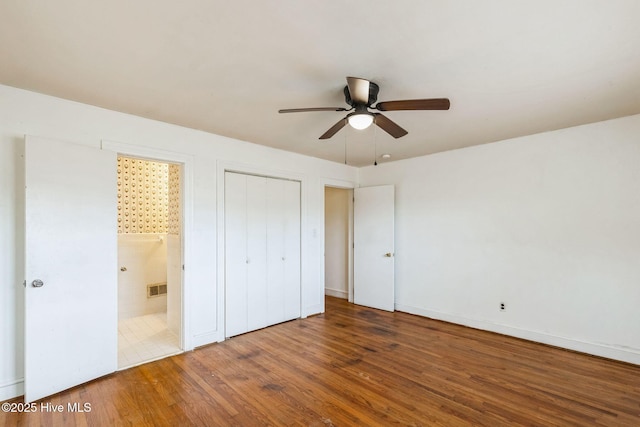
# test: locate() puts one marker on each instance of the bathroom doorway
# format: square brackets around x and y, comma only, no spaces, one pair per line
[149,260]
[338,242]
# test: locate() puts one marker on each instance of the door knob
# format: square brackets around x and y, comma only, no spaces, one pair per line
[37,283]
[388,255]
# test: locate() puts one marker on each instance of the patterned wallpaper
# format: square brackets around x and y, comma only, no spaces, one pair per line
[173,226]
[148,196]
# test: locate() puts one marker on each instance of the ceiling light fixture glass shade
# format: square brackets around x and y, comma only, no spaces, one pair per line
[360,120]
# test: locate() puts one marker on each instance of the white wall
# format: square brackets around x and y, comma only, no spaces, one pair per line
[336,241]
[23,112]
[145,258]
[549,224]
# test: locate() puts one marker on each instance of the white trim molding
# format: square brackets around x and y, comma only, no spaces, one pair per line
[187,215]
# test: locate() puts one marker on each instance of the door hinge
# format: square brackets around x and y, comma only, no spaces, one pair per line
[182,267]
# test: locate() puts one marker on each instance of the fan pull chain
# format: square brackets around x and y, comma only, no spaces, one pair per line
[345,148]
[375,145]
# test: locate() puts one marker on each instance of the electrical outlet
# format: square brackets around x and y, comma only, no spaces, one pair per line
[502,306]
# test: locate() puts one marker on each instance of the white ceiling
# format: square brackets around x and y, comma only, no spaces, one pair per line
[510,68]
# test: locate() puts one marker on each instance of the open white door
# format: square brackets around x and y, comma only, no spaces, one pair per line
[71,261]
[373,236]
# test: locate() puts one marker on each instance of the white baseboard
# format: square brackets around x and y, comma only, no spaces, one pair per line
[336,293]
[595,349]
[11,389]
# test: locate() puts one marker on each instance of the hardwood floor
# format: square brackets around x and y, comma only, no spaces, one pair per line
[358,366]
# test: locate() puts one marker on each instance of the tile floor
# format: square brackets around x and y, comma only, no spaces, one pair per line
[145,338]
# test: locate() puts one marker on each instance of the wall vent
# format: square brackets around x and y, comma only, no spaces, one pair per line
[156,289]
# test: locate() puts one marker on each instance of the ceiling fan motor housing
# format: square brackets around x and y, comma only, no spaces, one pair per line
[373,94]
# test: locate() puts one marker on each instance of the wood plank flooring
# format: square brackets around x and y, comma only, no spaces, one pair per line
[354,366]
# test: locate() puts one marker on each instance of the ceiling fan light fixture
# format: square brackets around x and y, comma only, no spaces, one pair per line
[360,120]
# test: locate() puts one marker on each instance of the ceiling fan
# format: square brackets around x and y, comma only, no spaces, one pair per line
[360,94]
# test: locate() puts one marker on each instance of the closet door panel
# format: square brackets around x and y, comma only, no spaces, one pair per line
[262,252]
[292,249]
[256,252]
[236,307]
[276,256]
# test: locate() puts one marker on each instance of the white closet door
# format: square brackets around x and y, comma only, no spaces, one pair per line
[256,252]
[235,253]
[292,282]
[276,256]
[262,252]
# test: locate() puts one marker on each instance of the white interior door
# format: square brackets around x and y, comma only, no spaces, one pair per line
[262,252]
[71,262]
[235,235]
[256,252]
[276,251]
[373,234]
[292,250]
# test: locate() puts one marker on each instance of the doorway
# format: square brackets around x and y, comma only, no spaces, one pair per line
[149,260]
[338,242]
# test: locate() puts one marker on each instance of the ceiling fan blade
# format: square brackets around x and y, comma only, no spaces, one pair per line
[389,126]
[303,110]
[359,90]
[334,129]
[414,104]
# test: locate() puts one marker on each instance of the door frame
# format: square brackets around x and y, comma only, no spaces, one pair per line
[186,163]
[344,185]
[222,167]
